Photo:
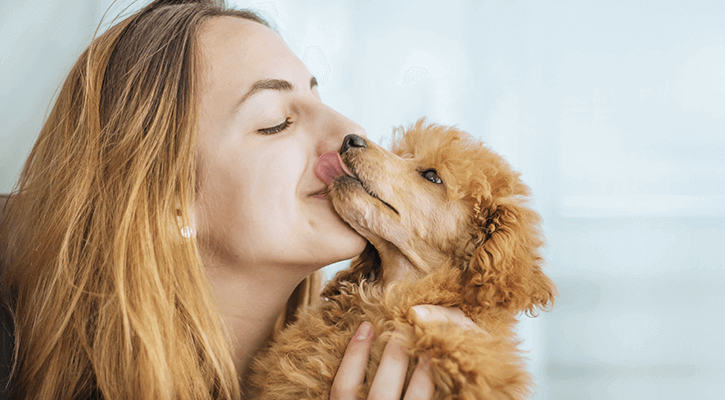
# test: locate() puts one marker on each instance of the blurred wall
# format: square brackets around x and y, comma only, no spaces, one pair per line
[614,112]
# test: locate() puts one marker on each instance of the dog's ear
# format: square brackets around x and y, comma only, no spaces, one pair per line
[366,267]
[505,268]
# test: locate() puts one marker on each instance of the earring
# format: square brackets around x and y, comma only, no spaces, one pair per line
[188,232]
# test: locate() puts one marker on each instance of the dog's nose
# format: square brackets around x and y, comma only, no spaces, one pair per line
[352,140]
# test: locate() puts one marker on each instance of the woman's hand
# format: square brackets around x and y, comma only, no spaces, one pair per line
[390,376]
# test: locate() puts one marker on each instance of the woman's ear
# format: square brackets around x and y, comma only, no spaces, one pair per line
[185,224]
[505,268]
[366,267]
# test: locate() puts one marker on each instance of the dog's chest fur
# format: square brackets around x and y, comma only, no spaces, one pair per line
[303,360]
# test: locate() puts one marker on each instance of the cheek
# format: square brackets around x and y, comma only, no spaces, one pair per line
[426,213]
[230,186]
[452,226]
[268,175]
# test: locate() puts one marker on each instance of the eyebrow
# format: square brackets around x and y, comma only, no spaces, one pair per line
[271,84]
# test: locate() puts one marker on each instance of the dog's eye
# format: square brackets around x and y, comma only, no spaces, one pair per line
[431,175]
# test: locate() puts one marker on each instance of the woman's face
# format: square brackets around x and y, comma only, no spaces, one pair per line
[262,128]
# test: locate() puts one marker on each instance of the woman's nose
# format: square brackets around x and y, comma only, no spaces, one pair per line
[352,140]
[334,129]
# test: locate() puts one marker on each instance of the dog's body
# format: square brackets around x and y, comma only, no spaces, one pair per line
[448,225]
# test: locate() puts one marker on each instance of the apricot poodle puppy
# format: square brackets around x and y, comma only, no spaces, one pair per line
[448,224]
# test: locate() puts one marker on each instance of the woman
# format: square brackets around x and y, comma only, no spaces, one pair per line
[169,213]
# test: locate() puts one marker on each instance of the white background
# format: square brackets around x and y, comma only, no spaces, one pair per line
[614,112]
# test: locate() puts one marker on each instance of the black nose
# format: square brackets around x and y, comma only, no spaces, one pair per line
[352,140]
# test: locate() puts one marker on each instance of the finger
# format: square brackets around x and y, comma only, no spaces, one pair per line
[354,363]
[390,376]
[421,383]
[429,313]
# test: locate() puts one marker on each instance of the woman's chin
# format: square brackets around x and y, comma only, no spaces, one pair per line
[344,245]
[343,238]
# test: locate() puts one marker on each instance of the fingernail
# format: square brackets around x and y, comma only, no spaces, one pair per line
[365,329]
[422,311]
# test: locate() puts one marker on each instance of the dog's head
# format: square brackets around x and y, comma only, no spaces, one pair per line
[444,200]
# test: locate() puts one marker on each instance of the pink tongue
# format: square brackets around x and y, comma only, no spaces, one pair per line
[329,167]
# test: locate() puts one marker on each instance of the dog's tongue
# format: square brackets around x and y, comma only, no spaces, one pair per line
[330,167]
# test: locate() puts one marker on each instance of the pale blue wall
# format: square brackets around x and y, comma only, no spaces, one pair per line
[613,111]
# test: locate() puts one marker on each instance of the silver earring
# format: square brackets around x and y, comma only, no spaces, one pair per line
[188,232]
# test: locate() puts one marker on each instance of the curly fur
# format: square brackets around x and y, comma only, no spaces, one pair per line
[469,242]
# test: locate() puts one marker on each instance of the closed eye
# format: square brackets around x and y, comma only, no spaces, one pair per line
[276,129]
[431,175]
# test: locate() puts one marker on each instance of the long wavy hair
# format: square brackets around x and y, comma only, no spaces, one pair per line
[109,300]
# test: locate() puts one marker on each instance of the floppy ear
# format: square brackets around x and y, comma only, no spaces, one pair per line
[505,269]
[366,266]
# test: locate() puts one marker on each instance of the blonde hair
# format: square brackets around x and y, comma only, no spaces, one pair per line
[109,299]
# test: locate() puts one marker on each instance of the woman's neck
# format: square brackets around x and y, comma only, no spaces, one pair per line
[250,301]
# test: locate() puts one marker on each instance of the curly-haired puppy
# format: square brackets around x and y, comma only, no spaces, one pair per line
[448,225]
